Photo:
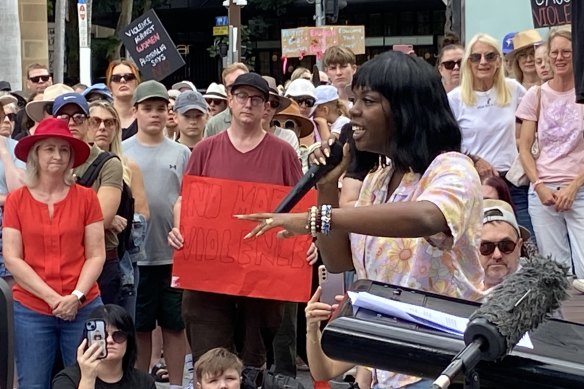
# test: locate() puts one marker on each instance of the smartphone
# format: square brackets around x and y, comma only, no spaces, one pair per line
[407,49]
[332,284]
[95,333]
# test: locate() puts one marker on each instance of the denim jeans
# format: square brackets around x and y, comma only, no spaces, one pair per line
[560,234]
[37,337]
[519,198]
[130,292]
[129,265]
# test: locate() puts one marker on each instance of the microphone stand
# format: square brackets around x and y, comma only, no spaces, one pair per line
[464,362]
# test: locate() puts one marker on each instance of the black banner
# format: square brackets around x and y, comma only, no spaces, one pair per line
[151,48]
[548,13]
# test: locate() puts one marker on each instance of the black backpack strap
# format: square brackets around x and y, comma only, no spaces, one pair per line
[94,169]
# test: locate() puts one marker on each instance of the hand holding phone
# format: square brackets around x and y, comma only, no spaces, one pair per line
[332,284]
[95,332]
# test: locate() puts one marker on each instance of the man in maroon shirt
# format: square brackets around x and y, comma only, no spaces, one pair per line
[244,152]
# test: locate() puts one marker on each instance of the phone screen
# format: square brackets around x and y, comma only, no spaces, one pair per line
[95,332]
[332,284]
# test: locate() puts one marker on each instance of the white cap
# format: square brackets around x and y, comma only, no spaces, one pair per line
[300,87]
[184,84]
[499,210]
[325,94]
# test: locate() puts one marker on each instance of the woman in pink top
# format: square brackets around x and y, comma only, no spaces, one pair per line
[556,197]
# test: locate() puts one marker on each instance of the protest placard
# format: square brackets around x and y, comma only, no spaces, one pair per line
[302,41]
[548,13]
[150,46]
[216,258]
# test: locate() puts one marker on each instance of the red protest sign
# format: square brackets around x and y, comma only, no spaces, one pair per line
[217,259]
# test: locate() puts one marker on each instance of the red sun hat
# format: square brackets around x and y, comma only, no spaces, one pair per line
[53,128]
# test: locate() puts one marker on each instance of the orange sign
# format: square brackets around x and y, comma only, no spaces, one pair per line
[215,257]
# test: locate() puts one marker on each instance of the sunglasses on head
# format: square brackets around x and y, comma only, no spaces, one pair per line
[505,246]
[38,79]
[126,76]
[78,118]
[119,337]
[275,103]
[489,57]
[288,124]
[215,101]
[451,64]
[307,101]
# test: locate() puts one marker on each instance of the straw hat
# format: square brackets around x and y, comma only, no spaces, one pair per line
[216,91]
[53,128]
[305,126]
[523,39]
[35,109]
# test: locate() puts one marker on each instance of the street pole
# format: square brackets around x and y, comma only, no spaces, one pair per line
[59,58]
[234,14]
[319,18]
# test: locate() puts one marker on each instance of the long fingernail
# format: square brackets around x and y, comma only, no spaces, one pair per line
[247,236]
[327,152]
[238,216]
[322,160]
[331,141]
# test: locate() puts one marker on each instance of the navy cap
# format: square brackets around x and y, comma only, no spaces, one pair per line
[99,89]
[508,43]
[70,98]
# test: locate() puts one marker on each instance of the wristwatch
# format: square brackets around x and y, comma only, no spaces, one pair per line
[80,296]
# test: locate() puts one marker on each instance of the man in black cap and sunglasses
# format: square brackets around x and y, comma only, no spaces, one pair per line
[501,242]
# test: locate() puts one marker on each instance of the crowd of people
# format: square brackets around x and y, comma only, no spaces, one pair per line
[90,187]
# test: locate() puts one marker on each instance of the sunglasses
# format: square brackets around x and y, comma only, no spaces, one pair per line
[489,57]
[10,116]
[119,337]
[126,76]
[39,79]
[215,101]
[78,118]
[307,101]
[95,122]
[505,246]
[275,103]
[288,124]
[451,64]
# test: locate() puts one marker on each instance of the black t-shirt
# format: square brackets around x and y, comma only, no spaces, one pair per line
[362,162]
[69,379]
[130,131]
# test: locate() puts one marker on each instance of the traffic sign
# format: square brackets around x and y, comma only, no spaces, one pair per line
[220,30]
[221,21]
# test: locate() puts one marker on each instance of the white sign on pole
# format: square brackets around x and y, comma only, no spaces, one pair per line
[82,16]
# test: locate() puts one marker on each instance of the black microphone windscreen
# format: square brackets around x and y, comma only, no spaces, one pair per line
[524,299]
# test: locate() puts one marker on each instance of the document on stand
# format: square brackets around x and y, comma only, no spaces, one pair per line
[437,320]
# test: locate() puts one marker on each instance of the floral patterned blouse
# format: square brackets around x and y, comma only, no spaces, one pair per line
[447,264]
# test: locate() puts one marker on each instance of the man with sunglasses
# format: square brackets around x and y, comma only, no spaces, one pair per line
[501,242]
[38,78]
[73,108]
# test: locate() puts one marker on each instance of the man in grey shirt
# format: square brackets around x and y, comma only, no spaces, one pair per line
[162,163]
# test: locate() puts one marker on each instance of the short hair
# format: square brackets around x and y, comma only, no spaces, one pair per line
[112,65]
[561,31]
[467,92]
[215,362]
[79,86]
[118,317]
[298,72]
[233,67]
[423,123]
[35,66]
[31,176]
[338,55]
[444,50]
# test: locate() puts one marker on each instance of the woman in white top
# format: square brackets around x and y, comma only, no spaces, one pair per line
[556,197]
[484,106]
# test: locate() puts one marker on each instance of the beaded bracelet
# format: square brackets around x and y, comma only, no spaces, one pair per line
[325,217]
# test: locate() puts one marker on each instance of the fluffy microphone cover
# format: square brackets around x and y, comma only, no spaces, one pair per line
[525,299]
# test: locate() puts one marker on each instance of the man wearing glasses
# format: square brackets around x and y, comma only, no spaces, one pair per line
[73,108]
[38,78]
[244,152]
[501,242]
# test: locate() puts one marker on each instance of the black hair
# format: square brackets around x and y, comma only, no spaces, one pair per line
[423,125]
[118,317]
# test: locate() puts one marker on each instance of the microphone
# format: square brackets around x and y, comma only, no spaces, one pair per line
[517,305]
[314,173]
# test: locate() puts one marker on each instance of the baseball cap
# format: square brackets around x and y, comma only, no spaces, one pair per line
[253,80]
[190,100]
[508,43]
[70,98]
[499,210]
[99,89]
[325,94]
[184,84]
[300,87]
[5,86]
[150,89]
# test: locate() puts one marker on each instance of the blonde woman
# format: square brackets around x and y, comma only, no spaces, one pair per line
[484,106]
[556,196]
[105,131]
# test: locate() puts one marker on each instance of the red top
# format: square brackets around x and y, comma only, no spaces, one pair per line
[272,161]
[53,248]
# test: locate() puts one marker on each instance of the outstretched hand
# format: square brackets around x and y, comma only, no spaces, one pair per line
[291,223]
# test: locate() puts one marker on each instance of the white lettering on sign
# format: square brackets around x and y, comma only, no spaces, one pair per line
[141,26]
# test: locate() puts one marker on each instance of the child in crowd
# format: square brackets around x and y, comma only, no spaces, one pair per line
[330,113]
[218,368]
